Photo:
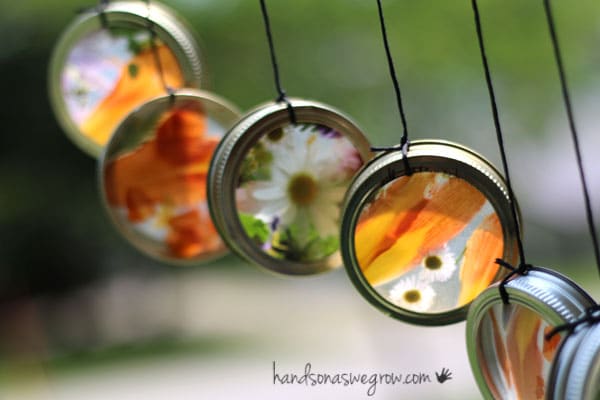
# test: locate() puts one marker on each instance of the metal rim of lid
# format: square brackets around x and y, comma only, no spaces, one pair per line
[228,113]
[560,371]
[423,156]
[170,29]
[554,297]
[226,163]
[578,378]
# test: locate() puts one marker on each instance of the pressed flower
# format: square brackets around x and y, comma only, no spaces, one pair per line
[478,267]
[168,172]
[190,234]
[131,90]
[421,214]
[438,266]
[501,353]
[524,354]
[412,295]
[305,183]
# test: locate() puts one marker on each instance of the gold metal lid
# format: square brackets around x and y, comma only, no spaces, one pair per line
[275,188]
[421,243]
[103,67]
[153,175]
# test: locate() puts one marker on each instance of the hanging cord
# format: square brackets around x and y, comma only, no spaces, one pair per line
[574,135]
[404,142]
[159,67]
[100,9]
[591,316]
[523,266]
[281,96]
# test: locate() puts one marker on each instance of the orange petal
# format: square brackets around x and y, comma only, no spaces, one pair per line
[388,216]
[478,267]
[170,169]
[449,211]
[180,138]
[132,90]
[190,235]
[525,357]
[436,210]
[551,345]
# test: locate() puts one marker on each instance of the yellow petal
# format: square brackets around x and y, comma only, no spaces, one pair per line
[396,260]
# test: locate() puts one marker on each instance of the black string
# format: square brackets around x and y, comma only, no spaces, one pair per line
[100,9]
[567,101]
[159,67]
[404,142]
[523,266]
[281,96]
[591,316]
[522,269]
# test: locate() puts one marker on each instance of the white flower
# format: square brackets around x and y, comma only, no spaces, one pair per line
[412,294]
[306,184]
[438,266]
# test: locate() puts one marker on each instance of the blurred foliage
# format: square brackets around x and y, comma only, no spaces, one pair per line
[55,235]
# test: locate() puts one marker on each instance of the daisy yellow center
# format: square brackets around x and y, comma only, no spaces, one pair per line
[433,262]
[302,189]
[412,296]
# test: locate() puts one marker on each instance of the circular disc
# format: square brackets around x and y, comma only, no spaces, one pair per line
[275,188]
[421,243]
[107,63]
[153,175]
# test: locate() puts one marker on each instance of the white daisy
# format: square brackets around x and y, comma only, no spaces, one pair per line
[306,184]
[438,266]
[412,294]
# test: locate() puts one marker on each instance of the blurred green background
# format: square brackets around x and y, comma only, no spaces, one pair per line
[82,313]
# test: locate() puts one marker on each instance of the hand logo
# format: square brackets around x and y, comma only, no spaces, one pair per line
[444,375]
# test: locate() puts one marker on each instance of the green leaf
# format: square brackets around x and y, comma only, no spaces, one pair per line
[255,228]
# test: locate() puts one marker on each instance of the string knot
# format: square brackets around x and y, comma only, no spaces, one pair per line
[591,316]
[521,269]
[402,147]
[282,98]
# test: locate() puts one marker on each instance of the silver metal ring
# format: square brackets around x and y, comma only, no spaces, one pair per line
[508,353]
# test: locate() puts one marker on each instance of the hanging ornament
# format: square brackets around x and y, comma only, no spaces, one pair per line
[423,225]
[275,187]
[278,178]
[508,351]
[103,67]
[422,231]
[153,175]
[511,336]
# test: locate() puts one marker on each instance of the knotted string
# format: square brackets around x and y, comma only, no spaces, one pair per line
[591,316]
[281,96]
[523,267]
[404,142]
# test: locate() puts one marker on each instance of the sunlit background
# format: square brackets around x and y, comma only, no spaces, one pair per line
[83,315]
